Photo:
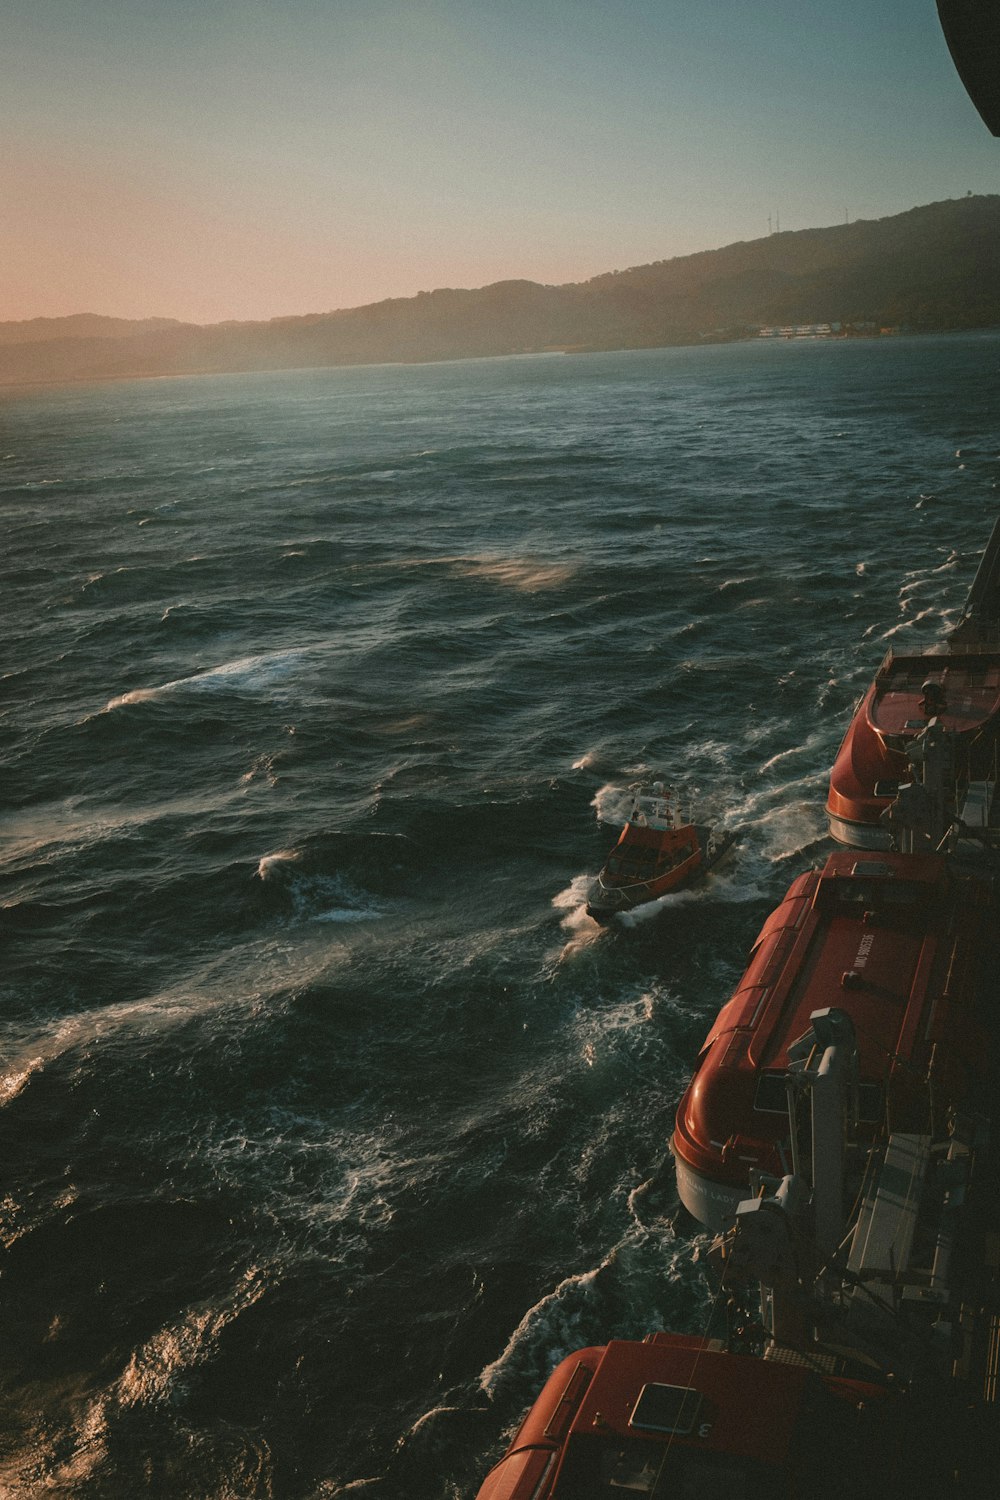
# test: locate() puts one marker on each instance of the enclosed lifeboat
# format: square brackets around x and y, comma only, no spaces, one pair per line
[675,1415]
[897,941]
[955,685]
[960,690]
[656,853]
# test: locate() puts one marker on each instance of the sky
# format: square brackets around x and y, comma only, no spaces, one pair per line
[242,159]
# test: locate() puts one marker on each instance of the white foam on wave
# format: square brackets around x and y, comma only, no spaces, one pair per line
[273,864]
[582,930]
[356,1177]
[924,614]
[601,1031]
[319,898]
[642,1266]
[809,749]
[914,577]
[650,910]
[551,1327]
[264,674]
[788,828]
[612,804]
[332,898]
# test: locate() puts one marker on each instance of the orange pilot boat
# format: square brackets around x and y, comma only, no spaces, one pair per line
[657,853]
[899,942]
[956,686]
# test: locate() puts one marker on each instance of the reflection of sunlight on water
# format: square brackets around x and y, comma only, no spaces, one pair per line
[518,573]
[523,573]
[77,822]
[12,1083]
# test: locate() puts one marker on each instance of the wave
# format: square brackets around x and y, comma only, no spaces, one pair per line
[342,876]
[583,929]
[612,804]
[638,1286]
[254,675]
[91,1451]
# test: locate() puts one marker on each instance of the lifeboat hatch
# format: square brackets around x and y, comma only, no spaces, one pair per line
[667,1408]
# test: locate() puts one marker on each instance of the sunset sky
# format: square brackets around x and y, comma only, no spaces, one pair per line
[212,159]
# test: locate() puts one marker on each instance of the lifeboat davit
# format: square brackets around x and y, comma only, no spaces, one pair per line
[657,853]
[956,685]
[897,941]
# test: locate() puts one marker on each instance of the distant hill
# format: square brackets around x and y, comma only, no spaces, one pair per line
[936,267]
[79,326]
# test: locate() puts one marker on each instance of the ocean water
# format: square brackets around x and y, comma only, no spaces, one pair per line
[328,1121]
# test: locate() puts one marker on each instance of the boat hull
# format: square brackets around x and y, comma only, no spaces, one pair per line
[711,1202]
[606,901]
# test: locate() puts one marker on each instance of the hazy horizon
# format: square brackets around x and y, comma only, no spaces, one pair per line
[230,160]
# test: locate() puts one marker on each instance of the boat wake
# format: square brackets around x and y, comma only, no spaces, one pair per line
[645,1270]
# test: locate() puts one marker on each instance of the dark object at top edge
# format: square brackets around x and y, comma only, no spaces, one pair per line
[972,30]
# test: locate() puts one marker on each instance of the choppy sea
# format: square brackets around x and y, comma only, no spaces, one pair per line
[328,1120]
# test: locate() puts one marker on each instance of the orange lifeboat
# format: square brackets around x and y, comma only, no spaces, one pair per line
[955,685]
[897,941]
[676,1415]
[959,689]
